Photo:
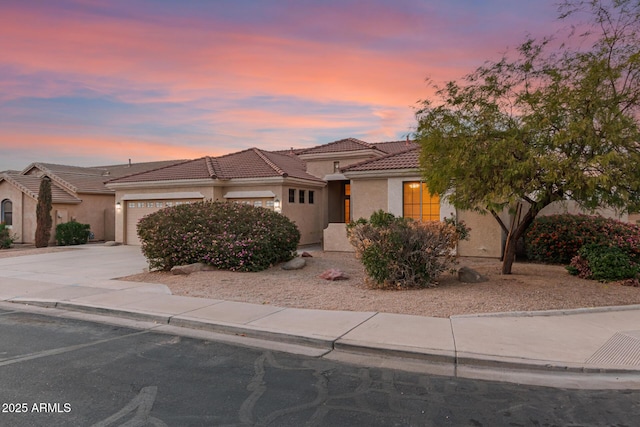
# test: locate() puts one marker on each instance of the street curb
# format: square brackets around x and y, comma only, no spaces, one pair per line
[454,359]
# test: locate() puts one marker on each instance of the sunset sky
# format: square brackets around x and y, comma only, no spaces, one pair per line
[96,82]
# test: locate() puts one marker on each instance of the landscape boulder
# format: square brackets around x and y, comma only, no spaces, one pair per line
[334,274]
[469,275]
[191,268]
[294,264]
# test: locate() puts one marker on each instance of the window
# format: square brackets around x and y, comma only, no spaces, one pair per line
[141,204]
[132,204]
[270,204]
[292,195]
[150,204]
[159,204]
[6,212]
[257,203]
[347,203]
[310,197]
[418,203]
[301,196]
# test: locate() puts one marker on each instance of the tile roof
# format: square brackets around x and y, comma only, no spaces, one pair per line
[30,185]
[78,179]
[407,159]
[347,144]
[390,147]
[250,163]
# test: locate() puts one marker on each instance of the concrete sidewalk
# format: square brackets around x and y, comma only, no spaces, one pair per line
[597,347]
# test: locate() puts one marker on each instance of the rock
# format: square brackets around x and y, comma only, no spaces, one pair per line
[306,255]
[191,268]
[334,274]
[294,264]
[469,275]
[111,243]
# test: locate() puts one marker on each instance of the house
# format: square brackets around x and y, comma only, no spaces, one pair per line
[319,188]
[77,193]
[306,185]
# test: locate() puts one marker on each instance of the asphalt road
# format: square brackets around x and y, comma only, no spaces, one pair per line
[65,372]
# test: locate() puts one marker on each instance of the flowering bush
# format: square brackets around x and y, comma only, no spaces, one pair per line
[556,239]
[401,253]
[228,236]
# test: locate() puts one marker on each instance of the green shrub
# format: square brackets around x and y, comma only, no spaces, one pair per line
[228,236]
[556,239]
[601,262]
[400,253]
[72,233]
[6,239]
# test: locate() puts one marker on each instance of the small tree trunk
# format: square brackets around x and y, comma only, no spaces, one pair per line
[509,253]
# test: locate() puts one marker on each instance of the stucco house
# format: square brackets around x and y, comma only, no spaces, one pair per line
[320,188]
[306,185]
[77,193]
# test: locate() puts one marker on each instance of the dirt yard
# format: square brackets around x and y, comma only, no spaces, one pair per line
[530,287]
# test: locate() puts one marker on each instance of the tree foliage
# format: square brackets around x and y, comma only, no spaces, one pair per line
[43,214]
[555,120]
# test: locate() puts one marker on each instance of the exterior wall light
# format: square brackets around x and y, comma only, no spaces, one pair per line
[276,205]
[118,206]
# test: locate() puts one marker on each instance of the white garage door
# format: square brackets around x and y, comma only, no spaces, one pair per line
[138,206]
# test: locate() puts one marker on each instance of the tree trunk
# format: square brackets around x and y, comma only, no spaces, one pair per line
[518,228]
[509,253]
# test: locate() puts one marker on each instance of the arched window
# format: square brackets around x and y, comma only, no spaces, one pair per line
[6,212]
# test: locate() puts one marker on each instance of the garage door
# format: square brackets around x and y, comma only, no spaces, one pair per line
[138,207]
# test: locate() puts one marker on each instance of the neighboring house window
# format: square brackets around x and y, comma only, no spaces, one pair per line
[292,195]
[418,203]
[301,196]
[310,197]
[6,212]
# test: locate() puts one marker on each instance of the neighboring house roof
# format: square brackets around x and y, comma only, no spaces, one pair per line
[407,159]
[30,185]
[90,180]
[250,163]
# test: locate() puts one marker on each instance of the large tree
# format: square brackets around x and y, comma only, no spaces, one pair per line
[43,213]
[553,120]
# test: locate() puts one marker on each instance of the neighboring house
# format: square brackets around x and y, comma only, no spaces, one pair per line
[77,193]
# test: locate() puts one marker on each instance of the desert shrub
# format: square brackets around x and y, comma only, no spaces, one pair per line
[228,236]
[400,253]
[6,239]
[601,262]
[556,239]
[72,233]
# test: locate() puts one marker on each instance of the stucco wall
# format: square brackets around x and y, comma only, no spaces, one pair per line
[97,210]
[323,167]
[307,216]
[8,191]
[485,237]
[368,196]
